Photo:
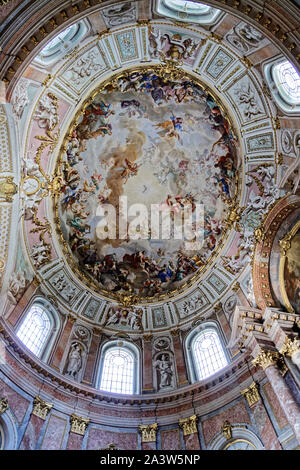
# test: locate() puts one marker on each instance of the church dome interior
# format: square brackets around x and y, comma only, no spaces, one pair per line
[150,225]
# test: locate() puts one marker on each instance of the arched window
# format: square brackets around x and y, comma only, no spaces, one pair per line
[185,10]
[284,83]
[37,329]
[209,353]
[206,353]
[62,43]
[119,368]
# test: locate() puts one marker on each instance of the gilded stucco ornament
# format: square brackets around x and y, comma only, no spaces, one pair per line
[226,430]
[41,408]
[3,405]
[266,358]
[290,347]
[78,424]
[251,394]
[148,432]
[189,425]
[8,189]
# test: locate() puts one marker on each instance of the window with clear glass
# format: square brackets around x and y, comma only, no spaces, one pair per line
[209,355]
[35,329]
[287,80]
[118,371]
[187,6]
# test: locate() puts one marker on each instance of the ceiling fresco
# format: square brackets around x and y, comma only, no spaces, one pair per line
[153,111]
[163,143]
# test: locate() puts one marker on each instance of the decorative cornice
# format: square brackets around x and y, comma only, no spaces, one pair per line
[266,358]
[290,347]
[78,424]
[41,408]
[188,425]
[251,394]
[3,405]
[148,432]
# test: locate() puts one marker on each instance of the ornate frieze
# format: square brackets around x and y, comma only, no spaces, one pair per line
[189,425]
[78,424]
[251,394]
[148,432]
[41,408]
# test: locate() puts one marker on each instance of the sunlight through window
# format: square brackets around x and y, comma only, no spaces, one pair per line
[35,329]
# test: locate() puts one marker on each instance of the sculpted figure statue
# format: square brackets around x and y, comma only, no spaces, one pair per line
[75,360]
[164,367]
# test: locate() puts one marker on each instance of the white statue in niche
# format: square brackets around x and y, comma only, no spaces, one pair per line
[75,360]
[165,371]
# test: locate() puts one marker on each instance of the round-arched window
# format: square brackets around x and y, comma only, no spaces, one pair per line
[119,369]
[35,329]
[208,352]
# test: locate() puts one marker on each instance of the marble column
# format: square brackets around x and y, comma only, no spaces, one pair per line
[261,418]
[190,433]
[77,431]
[268,361]
[92,358]
[180,364]
[148,436]
[147,364]
[34,427]
[63,340]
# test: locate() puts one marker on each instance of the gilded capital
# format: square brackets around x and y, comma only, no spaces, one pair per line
[3,405]
[251,394]
[148,432]
[41,408]
[78,424]
[188,425]
[290,347]
[266,358]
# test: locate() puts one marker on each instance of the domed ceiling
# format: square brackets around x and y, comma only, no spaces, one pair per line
[127,111]
[152,146]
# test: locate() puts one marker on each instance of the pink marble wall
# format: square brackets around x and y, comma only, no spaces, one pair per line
[54,433]
[265,427]
[74,441]
[235,414]
[148,446]
[275,406]
[192,442]
[170,440]
[32,433]
[98,439]
[18,404]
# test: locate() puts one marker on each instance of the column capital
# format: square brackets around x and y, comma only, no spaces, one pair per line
[266,358]
[148,432]
[3,405]
[251,394]
[41,408]
[78,424]
[188,425]
[290,346]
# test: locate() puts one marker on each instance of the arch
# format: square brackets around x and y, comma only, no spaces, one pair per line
[206,353]
[37,328]
[242,438]
[8,432]
[119,368]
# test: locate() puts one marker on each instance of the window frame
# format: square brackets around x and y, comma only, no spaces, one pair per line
[280,97]
[194,15]
[133,351]
[191,356]
[53,330]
